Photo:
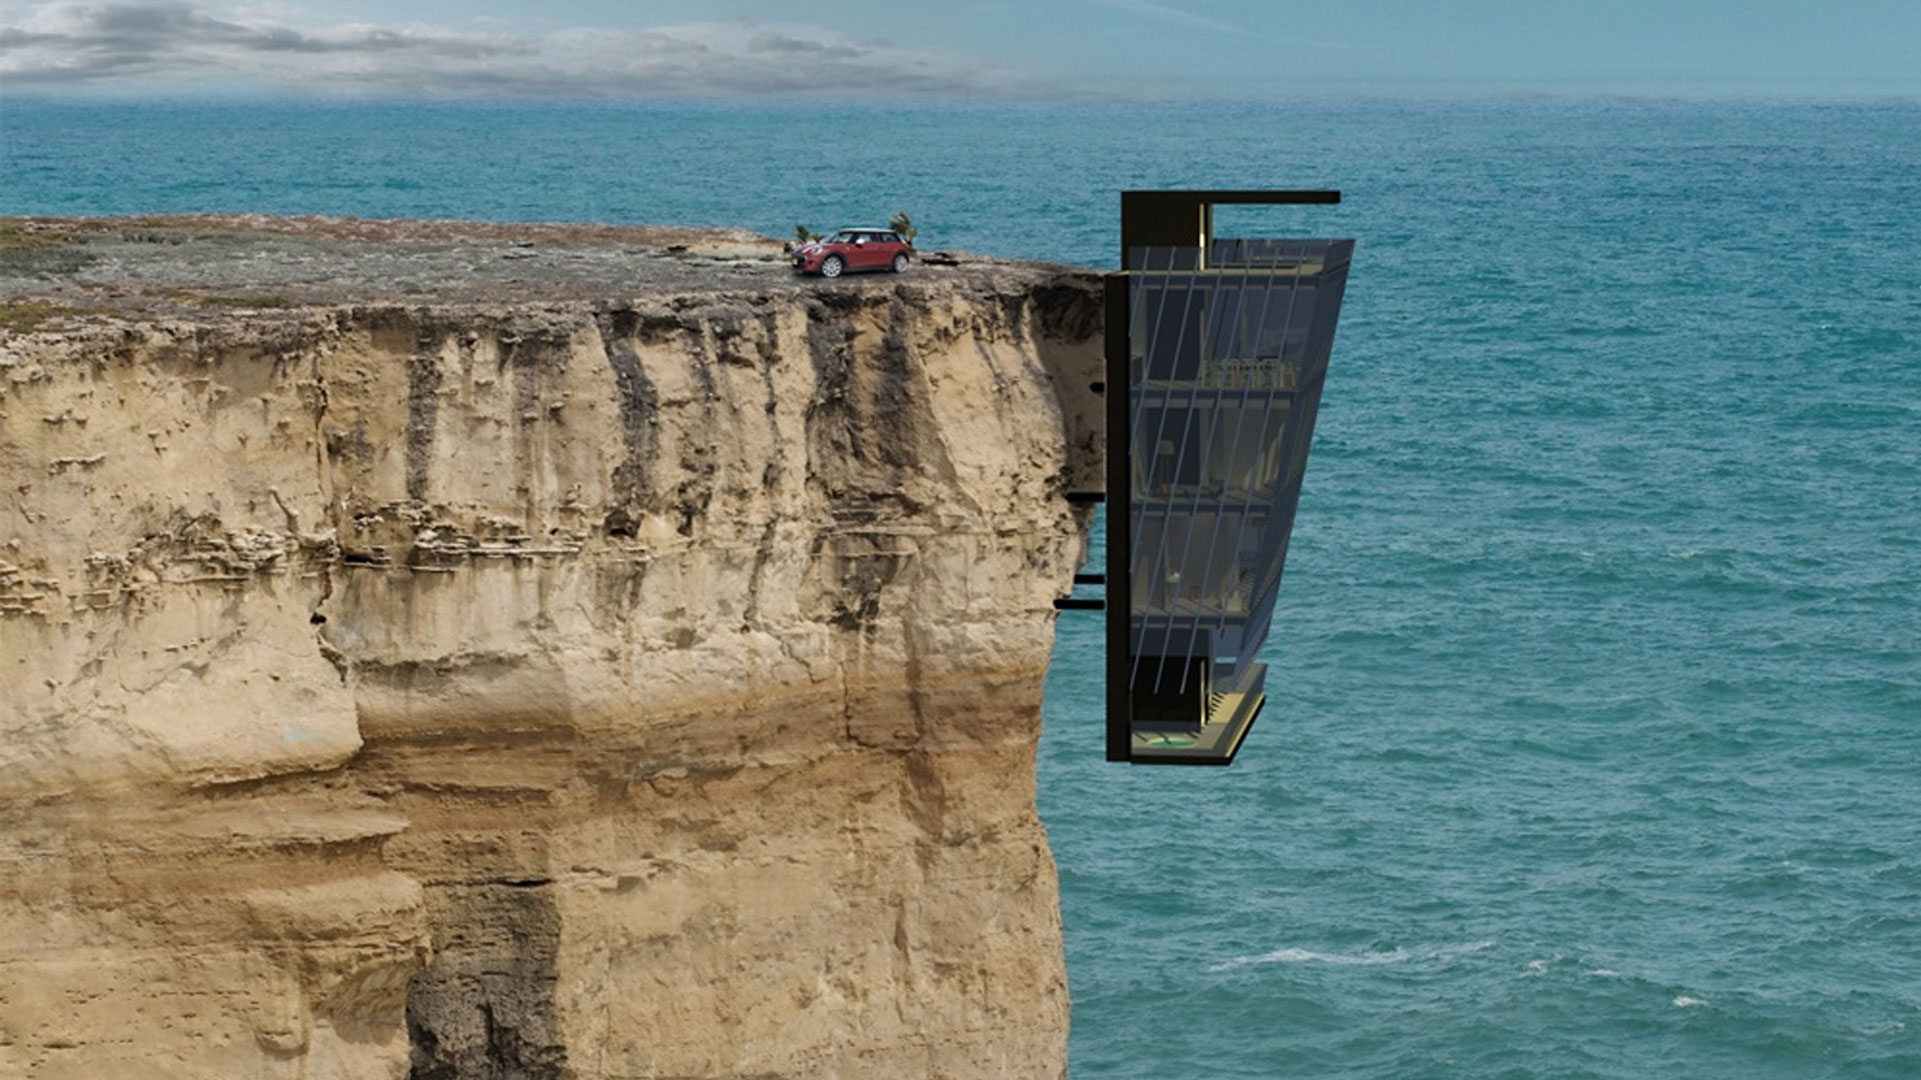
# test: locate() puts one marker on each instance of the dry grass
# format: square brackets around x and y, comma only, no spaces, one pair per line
[25,316]
[24,238]
[216,300]
[239,301]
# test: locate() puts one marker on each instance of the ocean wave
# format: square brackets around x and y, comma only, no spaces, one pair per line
[1366,959]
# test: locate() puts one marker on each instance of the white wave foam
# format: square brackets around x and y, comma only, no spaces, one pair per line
[1391,956]
[1686,1002]
[1540,966]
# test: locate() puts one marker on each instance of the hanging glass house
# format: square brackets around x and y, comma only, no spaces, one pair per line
[1222,346]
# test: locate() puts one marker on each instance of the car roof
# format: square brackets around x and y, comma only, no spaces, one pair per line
[863,229]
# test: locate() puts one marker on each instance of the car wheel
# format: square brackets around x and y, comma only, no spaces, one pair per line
[831,266]
[900,263]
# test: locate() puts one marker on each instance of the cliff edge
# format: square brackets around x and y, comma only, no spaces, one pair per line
[449,651]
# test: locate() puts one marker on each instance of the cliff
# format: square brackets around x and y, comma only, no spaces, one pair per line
[462,651]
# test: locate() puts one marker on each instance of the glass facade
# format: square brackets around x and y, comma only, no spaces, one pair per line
[1226,349]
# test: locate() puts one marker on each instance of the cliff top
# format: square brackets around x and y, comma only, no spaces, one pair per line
[200,265]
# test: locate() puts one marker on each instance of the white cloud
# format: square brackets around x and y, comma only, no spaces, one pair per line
[70,44]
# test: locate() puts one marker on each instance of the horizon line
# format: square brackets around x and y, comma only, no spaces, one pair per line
[1373,94]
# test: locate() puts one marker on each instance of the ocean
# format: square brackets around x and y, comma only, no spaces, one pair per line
[1593,742]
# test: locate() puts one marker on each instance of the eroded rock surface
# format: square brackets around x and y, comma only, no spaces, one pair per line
[604,684]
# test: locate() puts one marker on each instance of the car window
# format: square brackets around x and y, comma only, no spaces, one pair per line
[890,238]
[841,238]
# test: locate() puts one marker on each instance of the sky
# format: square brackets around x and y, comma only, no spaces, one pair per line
[962,49]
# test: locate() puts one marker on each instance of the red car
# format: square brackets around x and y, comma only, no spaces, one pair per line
[854,249]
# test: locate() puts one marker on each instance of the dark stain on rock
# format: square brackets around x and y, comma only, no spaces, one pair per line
[830,346]
[698,461]
[862,575]
[769,357]
[639,413]
[657,328]
[1014,317]
[423,410]
[350,446]
[729,330]
[830,433]
[896,407]
[866,421]
[484,1008]
[619,523]
[1069,310]
[855,613]
[769,338]
[523,362]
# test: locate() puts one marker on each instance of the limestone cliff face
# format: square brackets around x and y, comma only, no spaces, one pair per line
[594,688]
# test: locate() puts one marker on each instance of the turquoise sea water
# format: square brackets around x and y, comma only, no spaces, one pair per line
[1593,746]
